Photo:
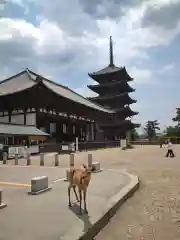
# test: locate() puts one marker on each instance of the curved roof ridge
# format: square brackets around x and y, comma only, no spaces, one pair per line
[67,88]
[13,76]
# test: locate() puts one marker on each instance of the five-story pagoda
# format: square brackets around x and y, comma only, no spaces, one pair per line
[113,92]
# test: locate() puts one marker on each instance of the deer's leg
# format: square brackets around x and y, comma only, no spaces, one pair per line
[69,197]
[80,204]
[74,188]
[85,207]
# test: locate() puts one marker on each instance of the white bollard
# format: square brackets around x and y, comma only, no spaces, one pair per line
[42,159]
[16,159]
[5,156]
[39,185]
[71,159]
[56,162]
[2,205]
[90,160]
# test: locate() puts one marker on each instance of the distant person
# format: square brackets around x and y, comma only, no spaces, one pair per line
[170,149]
[160,143]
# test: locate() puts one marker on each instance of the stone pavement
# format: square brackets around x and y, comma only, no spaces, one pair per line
[47,216]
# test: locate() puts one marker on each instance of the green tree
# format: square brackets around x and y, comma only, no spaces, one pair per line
[177,118]
[172,131]
[150,128]
[134,135]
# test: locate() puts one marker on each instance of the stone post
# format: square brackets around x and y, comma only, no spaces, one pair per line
[71,159]
[5,156]
[41,159]
[90,160]
[2,205]
[56,157]
[16,159]
[28,159]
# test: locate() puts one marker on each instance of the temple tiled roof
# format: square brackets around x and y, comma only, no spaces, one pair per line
[27,79]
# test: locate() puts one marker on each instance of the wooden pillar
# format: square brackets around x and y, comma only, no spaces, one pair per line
[37,116]
[9,115]
[87,132]
[92,131]
[25,115]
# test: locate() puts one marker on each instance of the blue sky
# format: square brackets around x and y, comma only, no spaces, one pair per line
[64,40]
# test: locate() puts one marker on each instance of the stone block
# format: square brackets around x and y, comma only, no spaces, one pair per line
[96,167]
[2,205]
[39,185]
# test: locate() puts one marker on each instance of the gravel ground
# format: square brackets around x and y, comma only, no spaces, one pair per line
[153,213]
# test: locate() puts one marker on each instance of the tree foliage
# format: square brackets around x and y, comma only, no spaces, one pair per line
[150,128]
[134,135]
[172,131]
[177,118]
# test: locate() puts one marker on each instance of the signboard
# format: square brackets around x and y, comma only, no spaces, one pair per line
[16,150]
[22,151]
[65,147]
[123,143]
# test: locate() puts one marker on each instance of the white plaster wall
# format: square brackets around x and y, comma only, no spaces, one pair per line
[31,119]
[19,119]
[4,119]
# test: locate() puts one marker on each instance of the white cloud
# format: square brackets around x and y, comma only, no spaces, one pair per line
[68,40]
[57,46]
[85,91]
[141,76]
[166,68]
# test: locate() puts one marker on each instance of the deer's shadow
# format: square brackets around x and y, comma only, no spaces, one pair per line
[83,216]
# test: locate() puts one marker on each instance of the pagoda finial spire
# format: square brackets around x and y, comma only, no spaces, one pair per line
[111,51]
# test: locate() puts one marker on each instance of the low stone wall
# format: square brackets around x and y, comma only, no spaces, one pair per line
[145,143]
[83,146]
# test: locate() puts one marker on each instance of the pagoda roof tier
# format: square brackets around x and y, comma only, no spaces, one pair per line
[125,111]
[119,124]
[27,79]
[111,72]
[122,86]
[121,97]
[115,123]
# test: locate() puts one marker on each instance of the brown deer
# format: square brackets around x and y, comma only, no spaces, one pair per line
[79,177]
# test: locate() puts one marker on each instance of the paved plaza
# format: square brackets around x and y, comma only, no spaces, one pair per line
[152,213]
[47,216]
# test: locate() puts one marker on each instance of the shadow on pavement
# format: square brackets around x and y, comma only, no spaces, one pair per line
[84,216]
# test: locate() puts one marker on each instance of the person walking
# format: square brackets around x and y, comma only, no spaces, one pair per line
[170,149]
